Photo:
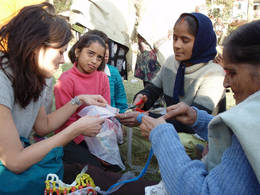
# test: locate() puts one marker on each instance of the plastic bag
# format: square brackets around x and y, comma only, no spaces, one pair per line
[158,189]
[105,144]
[103,112]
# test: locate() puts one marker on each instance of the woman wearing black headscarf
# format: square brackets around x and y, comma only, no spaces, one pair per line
[232,165]
[189,75]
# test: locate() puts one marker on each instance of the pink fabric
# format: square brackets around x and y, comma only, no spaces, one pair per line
[72,83]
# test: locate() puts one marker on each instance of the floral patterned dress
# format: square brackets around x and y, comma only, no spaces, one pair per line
[146,65]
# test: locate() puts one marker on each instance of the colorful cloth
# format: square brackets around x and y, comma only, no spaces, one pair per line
[117,57]
[146,65]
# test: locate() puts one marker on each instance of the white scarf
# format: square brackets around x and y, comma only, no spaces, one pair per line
[244,121]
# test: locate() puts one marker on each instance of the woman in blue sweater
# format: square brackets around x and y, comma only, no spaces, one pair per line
[232,164]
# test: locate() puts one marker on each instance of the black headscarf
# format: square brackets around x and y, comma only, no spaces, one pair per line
[204,50]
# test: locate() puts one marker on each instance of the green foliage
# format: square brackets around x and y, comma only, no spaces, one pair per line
[221,9]
[62,5]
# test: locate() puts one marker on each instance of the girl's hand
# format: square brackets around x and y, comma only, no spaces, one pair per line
[97,100]
[138,98]
[181,112]
[149,123]
[89,125]
[128,118]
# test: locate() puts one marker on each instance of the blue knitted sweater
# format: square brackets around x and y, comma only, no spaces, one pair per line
[181,175]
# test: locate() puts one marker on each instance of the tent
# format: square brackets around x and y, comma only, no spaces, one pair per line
[9,8]
[123,20]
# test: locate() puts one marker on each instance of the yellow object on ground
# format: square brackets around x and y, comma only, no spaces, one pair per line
[9,8]
[193,145]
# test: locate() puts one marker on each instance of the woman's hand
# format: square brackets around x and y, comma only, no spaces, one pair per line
[149,123]
[89,125]
[128,118]
[97,100]
[181,112]
[138,98]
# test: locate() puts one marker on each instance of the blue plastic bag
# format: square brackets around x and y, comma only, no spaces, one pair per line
[31,181]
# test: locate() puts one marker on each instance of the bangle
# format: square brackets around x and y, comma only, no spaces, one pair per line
[75,101]
[139,117]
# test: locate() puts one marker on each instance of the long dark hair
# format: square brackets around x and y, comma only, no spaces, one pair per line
[243,45]
[85,41]
[34,27]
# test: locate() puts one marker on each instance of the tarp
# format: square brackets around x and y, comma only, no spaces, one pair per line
[114,17]
[156,22]
[9,8]
[122,20]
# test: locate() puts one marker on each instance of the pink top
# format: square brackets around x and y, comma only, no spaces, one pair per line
[72,83]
